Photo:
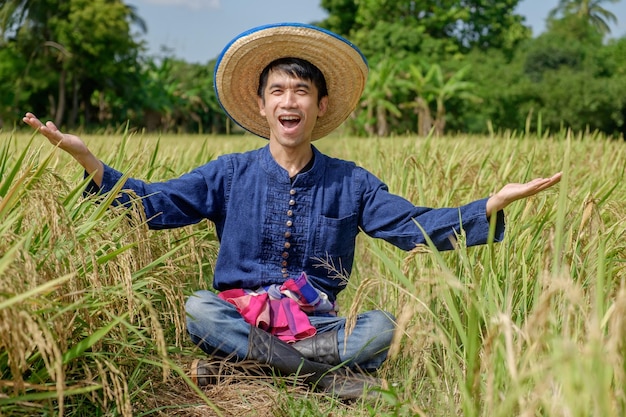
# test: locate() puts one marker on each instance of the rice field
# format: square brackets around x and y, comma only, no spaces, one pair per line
[91,302]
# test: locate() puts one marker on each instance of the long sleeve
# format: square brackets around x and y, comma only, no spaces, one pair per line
[178,202]
[392,218]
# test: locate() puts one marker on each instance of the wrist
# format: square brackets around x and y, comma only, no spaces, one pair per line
[495,203]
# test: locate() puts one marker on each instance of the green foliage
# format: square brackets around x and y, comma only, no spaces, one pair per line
[588,12]
[400,28]
[495,90]
[179,96]
[77,62]
[70,49]
[550,53]
[341,15]
[10,64]
[583,102]
[379,108]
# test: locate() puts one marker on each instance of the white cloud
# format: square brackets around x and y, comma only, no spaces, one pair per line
[191,4]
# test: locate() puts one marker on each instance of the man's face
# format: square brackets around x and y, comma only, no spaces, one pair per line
[291,108]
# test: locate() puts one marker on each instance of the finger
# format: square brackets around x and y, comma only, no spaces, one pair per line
[536,184]
[545,182]
[554,179]
[52,126]
[557,177]
[548,182]
[32,121]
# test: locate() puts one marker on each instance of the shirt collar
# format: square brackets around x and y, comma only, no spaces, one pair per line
[278,173]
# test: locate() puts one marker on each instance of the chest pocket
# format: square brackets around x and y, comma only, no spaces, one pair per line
[336,237]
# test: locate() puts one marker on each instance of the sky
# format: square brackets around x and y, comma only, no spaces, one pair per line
[197,30]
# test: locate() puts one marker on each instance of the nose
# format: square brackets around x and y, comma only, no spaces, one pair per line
[289,99]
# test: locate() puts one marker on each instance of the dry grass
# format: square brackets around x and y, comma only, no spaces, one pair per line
[92,320]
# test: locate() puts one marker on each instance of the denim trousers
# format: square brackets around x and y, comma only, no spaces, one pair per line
[218,329]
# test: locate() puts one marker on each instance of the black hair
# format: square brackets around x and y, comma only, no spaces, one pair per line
[295,67]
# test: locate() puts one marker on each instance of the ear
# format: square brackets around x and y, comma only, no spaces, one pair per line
[261,103]
[323,106]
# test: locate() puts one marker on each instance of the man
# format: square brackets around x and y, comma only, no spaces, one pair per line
[287,216]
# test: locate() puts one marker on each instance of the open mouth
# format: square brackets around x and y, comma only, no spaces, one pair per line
[289,121]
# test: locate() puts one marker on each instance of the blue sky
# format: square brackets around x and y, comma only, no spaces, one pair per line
[197,30]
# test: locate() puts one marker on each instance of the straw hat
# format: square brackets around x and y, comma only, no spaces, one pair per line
[241,62]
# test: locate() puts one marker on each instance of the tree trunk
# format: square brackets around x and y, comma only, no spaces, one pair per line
[60,107]
[440,121]
[74,113]
[424,118]
[381,121]
[151,120]
[369,128]
[196,118]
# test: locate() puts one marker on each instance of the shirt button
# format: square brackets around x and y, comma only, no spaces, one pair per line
[292,192]
[289,213]
[287,234]
[284,270]
[287,245]
[285,255]
[292,202]
[283,263]
[289,223]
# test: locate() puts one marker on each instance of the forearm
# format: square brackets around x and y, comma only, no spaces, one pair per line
[91,164]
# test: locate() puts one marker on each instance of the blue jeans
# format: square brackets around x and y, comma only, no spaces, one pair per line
[218,329]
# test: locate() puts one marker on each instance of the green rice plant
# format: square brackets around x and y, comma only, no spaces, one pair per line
[92,302]
[81,289]
[506,329]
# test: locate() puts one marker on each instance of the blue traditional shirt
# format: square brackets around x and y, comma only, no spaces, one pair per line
[272,227]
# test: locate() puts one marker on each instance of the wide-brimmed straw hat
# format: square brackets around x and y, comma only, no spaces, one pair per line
[241,62]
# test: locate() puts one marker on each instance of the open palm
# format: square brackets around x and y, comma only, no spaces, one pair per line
[515,191]
[69,143]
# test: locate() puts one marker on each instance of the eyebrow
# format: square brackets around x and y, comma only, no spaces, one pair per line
[300,84]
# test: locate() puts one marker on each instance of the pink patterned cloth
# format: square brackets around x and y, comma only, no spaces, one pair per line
[281,309]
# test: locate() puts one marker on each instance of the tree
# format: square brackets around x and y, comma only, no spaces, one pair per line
[585,88]
[341,15]
[102,53]
[10,64]
[73,49]
[405,27]
[177,95]
[378,97]
[435,89]
[419,84]
[400,32]
[589,11]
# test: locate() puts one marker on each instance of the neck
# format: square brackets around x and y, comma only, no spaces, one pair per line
[291,159]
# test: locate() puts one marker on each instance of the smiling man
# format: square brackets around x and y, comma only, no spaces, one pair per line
[292,101]
[287,216]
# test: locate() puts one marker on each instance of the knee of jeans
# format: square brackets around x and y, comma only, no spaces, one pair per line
[383,320]
[198,305]
[384,324]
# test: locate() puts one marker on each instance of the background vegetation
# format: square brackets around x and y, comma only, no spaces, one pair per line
[459,66]
[91,302]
